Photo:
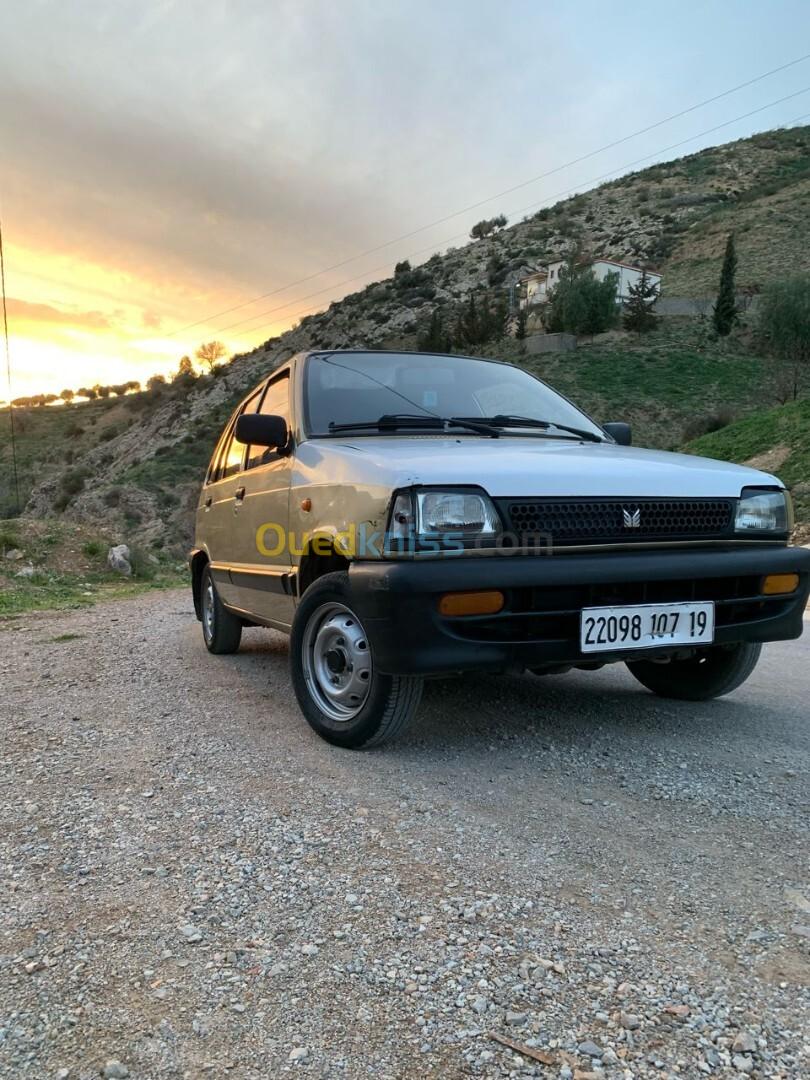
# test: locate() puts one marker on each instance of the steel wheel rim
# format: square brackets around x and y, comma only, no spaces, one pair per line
[337,662]
[208,607]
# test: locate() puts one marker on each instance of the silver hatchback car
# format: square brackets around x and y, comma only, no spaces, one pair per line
[409,514]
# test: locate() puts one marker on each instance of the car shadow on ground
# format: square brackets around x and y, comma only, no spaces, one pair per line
[479,712]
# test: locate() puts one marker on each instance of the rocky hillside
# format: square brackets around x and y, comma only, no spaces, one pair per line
[142,478]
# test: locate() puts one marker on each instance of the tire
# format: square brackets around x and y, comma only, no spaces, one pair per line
[343,698]
[711,673]
[222,631]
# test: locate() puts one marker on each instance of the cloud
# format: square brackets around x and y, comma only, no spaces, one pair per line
[24,311]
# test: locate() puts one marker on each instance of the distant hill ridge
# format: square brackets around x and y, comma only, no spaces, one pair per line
[675,216]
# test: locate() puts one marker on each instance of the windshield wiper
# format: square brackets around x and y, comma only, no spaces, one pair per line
[509,420]
[394,421]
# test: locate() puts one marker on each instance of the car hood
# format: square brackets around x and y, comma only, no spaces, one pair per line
[515,466]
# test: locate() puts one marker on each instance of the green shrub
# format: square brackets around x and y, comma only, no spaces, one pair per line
[707,423]
[93,548]
[8,540]
[142,566]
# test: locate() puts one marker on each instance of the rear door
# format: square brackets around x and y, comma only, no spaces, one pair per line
[262,576]
[218,509]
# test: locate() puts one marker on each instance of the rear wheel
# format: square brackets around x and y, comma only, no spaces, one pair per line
[344,699]
[222,631]
[709,674]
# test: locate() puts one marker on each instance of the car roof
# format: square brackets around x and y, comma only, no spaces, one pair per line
[400,352]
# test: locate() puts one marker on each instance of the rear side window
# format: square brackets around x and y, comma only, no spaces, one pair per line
[276,402]
[228,459]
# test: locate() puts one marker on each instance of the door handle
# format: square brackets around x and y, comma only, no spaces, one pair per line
[239,494]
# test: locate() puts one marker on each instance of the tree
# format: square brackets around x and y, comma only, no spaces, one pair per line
[487,227]
[67,396]
[155,384]
[493,317]
[87,392]
[784,330]
[435,338]
[638,311]
[471,323]
[185,374]
[579,304]
[133,385]
[102,391]
[520,324]
[725,308]
[211,353]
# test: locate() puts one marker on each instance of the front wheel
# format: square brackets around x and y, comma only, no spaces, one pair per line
[709,674]
[344,699]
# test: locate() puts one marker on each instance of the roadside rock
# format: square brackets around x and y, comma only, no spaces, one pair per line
[744,1043]
[118,559]
[114,1070]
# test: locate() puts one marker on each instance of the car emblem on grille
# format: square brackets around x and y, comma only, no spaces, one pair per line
[631,519]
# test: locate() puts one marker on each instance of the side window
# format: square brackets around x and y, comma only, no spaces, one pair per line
[229,460]
[276,403]
[212,474]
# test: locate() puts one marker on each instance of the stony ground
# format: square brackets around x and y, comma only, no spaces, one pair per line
[193,885]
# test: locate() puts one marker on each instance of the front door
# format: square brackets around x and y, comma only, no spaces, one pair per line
[262,564]
[216,515]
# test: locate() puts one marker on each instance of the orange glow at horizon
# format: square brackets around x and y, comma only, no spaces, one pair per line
[75,323]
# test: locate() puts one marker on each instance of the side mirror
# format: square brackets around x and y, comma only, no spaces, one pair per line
[620,432]
[258,430]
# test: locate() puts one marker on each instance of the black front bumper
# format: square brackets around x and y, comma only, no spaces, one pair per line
[539,624]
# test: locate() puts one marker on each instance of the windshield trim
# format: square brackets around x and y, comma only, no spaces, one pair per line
[326,354]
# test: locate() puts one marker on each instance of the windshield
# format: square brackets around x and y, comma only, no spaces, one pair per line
[343,389]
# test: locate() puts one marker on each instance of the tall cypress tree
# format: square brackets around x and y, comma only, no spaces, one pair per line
[725,309]
[472,323]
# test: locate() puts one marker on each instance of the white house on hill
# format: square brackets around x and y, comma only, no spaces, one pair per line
[535,287]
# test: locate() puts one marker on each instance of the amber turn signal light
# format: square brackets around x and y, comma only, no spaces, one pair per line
[471,603]
[774,584]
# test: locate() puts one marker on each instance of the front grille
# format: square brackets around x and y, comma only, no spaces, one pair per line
[598,521]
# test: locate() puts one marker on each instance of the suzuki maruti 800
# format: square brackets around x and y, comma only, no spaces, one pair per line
[404,515]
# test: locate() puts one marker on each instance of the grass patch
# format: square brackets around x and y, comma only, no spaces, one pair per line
[50,592]
[661,383]
[62,637]
[58,551]
[784,426]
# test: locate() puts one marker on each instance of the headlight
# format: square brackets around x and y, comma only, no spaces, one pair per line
[443,515]
[465,512]
[760,511]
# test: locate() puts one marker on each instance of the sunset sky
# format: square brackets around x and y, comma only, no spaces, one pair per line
[163,161]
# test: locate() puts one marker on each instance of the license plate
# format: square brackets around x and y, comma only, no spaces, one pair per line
[646,626]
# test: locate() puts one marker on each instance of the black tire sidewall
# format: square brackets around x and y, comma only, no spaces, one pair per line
[227,628]
[726,668]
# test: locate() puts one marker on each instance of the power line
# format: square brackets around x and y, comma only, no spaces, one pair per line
[521,210]
[492,198]
[8,376]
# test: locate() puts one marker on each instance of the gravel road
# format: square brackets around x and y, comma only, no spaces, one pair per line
[192,884]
